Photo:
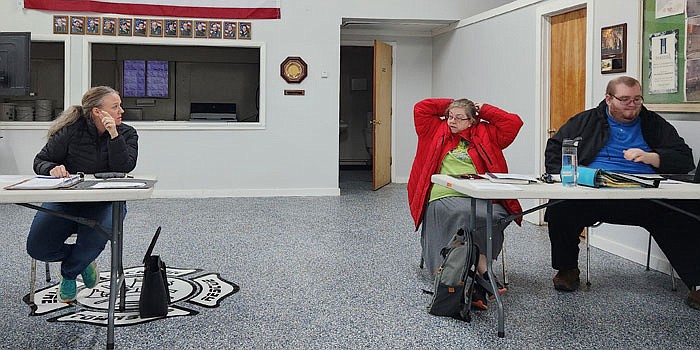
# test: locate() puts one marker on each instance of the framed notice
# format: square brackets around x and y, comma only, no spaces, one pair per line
[670,55]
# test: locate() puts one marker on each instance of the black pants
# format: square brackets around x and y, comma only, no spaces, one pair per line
[677,234]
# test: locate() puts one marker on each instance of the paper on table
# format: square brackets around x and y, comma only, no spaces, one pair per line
[116,184]
[508,178]
[479,185]
[46,183]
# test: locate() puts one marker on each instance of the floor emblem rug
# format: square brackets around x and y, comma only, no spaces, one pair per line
[207,290]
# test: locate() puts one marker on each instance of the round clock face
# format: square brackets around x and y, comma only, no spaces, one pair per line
[293,70]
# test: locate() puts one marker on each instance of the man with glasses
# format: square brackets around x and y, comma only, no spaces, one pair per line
[622,135]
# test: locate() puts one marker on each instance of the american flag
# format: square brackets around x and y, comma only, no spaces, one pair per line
[224,9]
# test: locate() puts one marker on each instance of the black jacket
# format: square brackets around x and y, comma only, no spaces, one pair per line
[80,148]
[592,126]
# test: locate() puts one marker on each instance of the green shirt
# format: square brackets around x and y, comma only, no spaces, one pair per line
[456,162]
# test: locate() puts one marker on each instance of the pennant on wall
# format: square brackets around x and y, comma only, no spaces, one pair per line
[225,9]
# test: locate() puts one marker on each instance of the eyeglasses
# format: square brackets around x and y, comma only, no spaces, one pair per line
[638,100]
[458,117]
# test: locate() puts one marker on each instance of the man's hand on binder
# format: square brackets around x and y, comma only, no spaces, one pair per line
[59,171]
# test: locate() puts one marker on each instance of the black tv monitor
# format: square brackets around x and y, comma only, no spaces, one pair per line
[15,61]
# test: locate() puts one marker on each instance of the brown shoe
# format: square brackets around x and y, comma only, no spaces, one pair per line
[693,299]
[567,280]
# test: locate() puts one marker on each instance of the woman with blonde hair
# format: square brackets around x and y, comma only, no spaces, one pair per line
[89,138]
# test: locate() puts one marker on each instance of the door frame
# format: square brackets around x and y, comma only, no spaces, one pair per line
[370,43]
[543,16]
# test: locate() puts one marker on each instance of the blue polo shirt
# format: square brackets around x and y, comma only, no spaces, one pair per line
[622,136]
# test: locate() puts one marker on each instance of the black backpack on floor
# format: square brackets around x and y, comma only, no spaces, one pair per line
[454,281]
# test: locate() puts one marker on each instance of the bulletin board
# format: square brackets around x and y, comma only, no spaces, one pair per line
[661,96]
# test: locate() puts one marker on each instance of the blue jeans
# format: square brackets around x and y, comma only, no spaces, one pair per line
[47,236]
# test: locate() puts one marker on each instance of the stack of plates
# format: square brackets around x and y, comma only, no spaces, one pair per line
[43,110]
[24,113]
[7,111]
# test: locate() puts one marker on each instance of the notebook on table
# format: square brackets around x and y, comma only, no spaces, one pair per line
[694,178]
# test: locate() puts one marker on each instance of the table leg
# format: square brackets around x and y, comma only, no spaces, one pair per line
[472,217]
[489,267]
[116,269]
[122,282]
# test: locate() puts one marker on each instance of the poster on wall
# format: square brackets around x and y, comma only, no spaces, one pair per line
[693,8]
[157,78]
[613,49]
[665,8]
[134,78]
[663,62]
[692,51]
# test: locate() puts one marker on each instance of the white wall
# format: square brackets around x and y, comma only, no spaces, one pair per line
[492,58]
[496,59]
[295,149]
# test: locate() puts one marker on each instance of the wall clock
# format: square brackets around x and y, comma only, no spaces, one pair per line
[293,69]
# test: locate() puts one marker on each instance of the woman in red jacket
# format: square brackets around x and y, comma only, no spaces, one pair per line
[458,137]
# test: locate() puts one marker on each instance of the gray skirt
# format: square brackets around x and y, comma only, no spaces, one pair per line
[443,217]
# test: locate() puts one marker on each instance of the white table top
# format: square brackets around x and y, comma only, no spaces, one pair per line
[484,189]
[70,195]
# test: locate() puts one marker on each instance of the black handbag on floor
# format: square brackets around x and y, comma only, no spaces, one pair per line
[155,295]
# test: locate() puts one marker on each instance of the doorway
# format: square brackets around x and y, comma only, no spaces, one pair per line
[365,118]
[564,42]
[355,129]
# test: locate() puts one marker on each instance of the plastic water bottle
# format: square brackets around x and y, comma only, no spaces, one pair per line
[569,162]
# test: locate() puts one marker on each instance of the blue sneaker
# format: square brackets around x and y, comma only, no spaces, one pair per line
[67,290]
[90,275]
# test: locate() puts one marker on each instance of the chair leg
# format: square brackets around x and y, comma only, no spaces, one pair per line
[588,256]
[48,272]
[673,272]
[649,252]
[504,263]
[673,279]
[32,288]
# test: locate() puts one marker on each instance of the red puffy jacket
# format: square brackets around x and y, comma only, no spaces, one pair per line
[495,131]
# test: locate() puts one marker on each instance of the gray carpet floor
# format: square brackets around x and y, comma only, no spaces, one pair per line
[342,273]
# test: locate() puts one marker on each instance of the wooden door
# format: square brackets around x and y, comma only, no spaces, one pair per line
[567,67]
[381,123]
[567,74]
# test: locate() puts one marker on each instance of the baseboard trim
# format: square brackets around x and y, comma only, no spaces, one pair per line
[400,179]
[288,192]
[658,263]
